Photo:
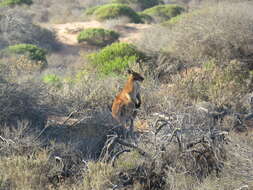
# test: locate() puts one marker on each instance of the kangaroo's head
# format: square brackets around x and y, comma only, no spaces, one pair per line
[135,76]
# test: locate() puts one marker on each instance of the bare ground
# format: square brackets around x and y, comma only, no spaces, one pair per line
[67,33]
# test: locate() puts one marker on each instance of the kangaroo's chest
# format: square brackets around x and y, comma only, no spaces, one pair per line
[136,90]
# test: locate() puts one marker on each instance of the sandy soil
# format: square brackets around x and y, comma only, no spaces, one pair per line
[67,33]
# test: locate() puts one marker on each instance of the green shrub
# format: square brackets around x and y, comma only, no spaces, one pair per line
[97,36]
[34,52]
[177,19]
[146,18]
[174,20]
[115,58]
[142,4]
[23,58]
[53,80]
[164,12]
[15,2]
[112,11]
[91,10]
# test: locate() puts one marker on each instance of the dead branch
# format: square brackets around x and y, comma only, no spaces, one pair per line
[158,129]
[104,155]
[69,116]
[3,139]
[6,140]
[141,152]
[190,145]
[42,131]
[79,121]
[117,155]
[175,134]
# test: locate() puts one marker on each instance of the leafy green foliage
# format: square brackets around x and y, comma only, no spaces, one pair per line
[146,18]
[53,80]
[112,11]
[34,52]
[97,36]
[174,20]
[15,2]
[181,17]
[115,58]
[164,12]
[143,4]
[91,10]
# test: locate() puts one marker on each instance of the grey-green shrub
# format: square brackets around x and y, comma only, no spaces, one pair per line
[222,32]
[115,58]
[112,11]
[97,36]
[23,58]
[223,86]
[89,11]
[34,52]
[15,2]
[164,12]
[142,4]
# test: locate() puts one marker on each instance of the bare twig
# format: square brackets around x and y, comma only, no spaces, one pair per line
[104,155]
[8,141]
[79,121]
[141,152]
[69,116]
[190,145]
[3,139]
[175,134]
[117,155]
[43,130]
[158,129]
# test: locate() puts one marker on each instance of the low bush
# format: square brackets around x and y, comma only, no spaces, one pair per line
[175,20]
[112,11]
[115,58]
[53,80]
[91,10]
[164,12]
[139,4]
[22,59]
[20,102]
[146,18]
[15,2]
[33,51]
[17,27]
[223,86]
[207,34]
[97,36]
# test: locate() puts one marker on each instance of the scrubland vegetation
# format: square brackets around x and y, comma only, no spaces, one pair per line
[193,129]
[98,36]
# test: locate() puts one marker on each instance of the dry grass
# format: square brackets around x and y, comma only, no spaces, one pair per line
[207,34]
[42,146]
[17,27]
[61,11]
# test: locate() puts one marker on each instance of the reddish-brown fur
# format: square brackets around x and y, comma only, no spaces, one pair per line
[125,103]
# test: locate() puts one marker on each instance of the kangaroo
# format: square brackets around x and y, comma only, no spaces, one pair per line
[128,100]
